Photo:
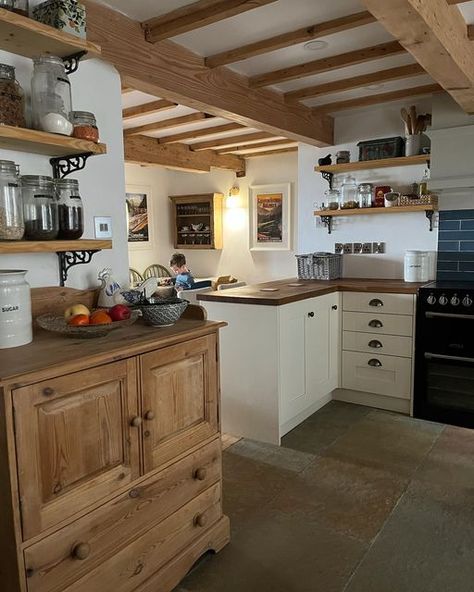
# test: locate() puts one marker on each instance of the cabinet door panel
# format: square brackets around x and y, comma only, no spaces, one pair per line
[292,362]
[74,442]
[179,399]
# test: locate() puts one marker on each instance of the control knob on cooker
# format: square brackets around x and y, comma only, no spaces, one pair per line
[431,299]
[455,301]
[467,301]
[443,300]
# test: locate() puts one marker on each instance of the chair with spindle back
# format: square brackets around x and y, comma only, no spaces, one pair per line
[134,277]
[156,270]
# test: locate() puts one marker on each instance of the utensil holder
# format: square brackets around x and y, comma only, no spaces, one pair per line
[412,144]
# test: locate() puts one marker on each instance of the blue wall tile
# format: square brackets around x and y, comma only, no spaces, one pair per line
[448,246]
[466,266]
[448,265]
[461,276]
[456,245]
[453,235]
[465,224]
[451,224]
[467,245]
[455,256]
[456,215]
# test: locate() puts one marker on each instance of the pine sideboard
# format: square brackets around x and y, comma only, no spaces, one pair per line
[110,459]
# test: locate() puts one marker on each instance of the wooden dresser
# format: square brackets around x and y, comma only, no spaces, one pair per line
[110,460]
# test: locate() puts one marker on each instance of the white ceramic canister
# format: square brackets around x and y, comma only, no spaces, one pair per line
[416,266]
[15,309]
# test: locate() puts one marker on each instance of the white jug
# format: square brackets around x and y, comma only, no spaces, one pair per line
[15,309]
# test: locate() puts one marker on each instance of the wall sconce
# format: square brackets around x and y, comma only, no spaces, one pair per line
[233,198]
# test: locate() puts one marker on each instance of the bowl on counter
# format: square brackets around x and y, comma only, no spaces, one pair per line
[58,324]
[163,313]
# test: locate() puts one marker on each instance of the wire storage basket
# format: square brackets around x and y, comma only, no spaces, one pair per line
[319,266]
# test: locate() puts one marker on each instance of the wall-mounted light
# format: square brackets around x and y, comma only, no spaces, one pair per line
[233,198]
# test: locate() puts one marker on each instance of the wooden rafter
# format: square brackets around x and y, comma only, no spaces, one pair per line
[457,1]
[166,124]
[200,133]
[349,58]
[251,50]
[233,141]
[147,108]
[356,82]
[144,150]
[170,70]
[395,95]
[270,143]
[271,152]
[196,15]
[435,34]
[470,32]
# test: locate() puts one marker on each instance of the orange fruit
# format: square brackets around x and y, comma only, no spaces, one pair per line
[78,320]
[100,317]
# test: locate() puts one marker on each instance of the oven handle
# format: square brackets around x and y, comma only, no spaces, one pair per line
[447,315]
[429,356]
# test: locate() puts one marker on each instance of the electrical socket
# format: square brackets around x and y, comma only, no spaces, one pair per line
[357,248]
[378,248]
[367,248]
[348,248]
[339,248]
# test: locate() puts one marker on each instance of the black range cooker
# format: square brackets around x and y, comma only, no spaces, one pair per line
[444,353]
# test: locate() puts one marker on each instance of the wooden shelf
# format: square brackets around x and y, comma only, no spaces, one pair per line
[34,141]
[54,246]
[372,211]
[374,164]
[192,215]
[29,38]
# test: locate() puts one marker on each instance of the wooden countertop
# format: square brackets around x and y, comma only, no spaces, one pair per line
[289,290]
[48,351]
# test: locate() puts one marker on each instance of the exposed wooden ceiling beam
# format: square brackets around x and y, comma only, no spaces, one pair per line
[356,82]
[144,150]
[436,36]
[166,124]
[251,50]
[200,133]
[457,1]
[395,95]
[196,15]
[169,70]
[271,152]
[126,90]
[147,108]
[470,32]
[342,60]
[232,149]
[233,141]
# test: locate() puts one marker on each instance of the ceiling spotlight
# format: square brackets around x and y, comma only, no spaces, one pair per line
[315,45]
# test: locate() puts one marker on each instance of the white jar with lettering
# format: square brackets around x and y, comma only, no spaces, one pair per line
[15,309]
[416,266]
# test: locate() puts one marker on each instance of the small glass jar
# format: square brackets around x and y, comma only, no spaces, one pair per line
[12,226]
[20,7]
[349,198]
[40,207]
[12,98]
[71,214]
[7,4]
[51,96]
[365,191]
[333,199]
[343,157]
[85,126]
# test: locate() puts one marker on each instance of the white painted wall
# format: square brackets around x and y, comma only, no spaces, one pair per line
[96,88]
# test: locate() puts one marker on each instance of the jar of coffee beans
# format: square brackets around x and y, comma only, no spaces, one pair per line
[12,226]
[40,207]
[71,218]
[12,98]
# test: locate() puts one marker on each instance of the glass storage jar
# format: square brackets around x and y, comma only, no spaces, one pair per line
[40,207]
[20,7]
[71,217]
[12,98]
[85,126]
[349,199]
[365,191]
[332,199]
[51,96]
[12,226]
[7,4]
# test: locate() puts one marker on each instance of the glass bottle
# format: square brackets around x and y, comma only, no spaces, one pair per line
[20,7]
[12,98]
[51,96]
[40,207]
[423,186]
[365,191]
[7,4]
[12,226]
[349,199]
[71,216]
[332,199]
[85,126]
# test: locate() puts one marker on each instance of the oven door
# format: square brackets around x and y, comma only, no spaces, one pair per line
[448,334]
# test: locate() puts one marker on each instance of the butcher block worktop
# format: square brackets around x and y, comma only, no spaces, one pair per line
[289,290]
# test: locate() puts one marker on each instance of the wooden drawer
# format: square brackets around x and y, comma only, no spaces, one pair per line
[51,563]
[387,303]
[373,343]
[378,324]
[392,378]
[131,566]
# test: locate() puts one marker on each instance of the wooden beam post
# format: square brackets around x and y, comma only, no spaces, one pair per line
[168,70]
[166,124]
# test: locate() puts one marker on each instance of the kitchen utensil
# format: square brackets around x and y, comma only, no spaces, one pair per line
[58,324]
[413,117]
[406,119]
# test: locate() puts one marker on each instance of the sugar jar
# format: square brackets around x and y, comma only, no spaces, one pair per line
[12,226]
[15,309]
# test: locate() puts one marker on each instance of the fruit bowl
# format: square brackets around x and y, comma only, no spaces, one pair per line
[57,324]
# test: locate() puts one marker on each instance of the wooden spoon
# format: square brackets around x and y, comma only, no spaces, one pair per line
[406,119]
[413,118]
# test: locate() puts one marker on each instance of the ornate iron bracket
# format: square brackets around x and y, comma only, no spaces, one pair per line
[327,176]
[429,215]
[71,63]
[69,259]
[327,221]
[65,165]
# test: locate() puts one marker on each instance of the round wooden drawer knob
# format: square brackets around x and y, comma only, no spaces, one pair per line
[136,422]
[200,474]
[149,415]
[48,391]
[81,551]
[200,520]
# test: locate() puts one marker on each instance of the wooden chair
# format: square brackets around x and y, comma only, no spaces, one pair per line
[134,277]
[156,270]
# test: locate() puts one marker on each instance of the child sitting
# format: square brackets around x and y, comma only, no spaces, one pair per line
[184,279]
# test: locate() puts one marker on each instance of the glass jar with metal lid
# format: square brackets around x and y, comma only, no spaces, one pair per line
[12,226]
[12,98]
[85,126]
[40,207]
[7,4]
[71,214]
[365,193]
[21,7]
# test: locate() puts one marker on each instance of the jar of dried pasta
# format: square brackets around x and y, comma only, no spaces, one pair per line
[12,98]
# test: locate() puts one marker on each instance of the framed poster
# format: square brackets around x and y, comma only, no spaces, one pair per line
[270,213]
[138,208]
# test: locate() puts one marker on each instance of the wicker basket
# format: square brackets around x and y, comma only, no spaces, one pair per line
[423,200]
[319,266]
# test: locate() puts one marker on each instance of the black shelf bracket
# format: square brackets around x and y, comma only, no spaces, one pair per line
[65,165]
[327,176]
[327,221]
[429,215]
[71,62]
[68,259]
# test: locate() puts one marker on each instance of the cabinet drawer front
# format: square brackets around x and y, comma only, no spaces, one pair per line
[378,324]
[74,441]
[52,563]
[128,568]
[391,378]
[373,343]
[387,303]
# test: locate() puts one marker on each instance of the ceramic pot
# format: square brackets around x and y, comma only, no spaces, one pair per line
[15,309]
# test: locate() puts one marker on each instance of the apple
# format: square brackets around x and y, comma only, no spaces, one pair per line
[119,312]
[76,309]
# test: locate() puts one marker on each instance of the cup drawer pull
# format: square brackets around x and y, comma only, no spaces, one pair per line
[374,363]
[375,302]
[200,520]
[375,343]
[200,474]
[81,551]
[376,323]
